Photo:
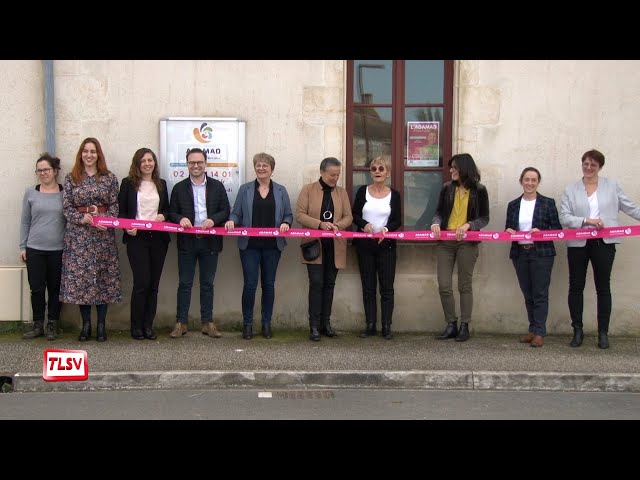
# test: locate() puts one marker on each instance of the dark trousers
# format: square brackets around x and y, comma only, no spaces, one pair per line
[187,260]
[146,254]
[534,277]
[601,256]
[261,262]
[377,262]
[322,281]
[43,271]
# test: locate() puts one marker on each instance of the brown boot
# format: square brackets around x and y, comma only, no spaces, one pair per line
[208,328]
[527,338]
[537,341]
[179,330]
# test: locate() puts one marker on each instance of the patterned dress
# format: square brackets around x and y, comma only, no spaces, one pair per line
[90,262]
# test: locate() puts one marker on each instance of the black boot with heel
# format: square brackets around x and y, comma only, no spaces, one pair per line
[101,334]
[463,333]
[85,333]
[450,332]
[36,331]
[369,331]
[603,340]
[51,330]
[386,331]
[578,337]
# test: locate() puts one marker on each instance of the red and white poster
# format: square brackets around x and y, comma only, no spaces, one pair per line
[423,144]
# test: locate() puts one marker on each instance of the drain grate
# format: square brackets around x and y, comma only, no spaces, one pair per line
[304,395]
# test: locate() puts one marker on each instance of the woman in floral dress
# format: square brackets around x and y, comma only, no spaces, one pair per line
[90,263]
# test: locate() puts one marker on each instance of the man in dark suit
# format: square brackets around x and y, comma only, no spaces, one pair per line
[197,201]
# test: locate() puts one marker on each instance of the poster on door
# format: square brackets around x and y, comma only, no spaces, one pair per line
[221,139]
[423,144]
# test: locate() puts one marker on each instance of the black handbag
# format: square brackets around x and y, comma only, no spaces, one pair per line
[311,250]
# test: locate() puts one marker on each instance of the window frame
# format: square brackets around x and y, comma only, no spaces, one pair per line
[398,137]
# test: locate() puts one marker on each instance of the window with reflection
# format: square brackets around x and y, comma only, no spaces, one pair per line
[401,109]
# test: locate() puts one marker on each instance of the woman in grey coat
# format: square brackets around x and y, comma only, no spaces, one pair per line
[592,202]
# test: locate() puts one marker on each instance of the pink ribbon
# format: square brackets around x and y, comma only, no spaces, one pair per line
[413,235]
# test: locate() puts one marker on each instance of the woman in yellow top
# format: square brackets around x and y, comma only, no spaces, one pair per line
[463,205]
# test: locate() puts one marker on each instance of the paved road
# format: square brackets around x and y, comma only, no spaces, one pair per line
[319,404]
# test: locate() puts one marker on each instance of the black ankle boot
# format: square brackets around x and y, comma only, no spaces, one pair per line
[450,332]
[101,334]
[85,333]
[266,331]
[463,334]
[247,332]
[149,334]
[51,330]
[578,336]
[36,331]
[370,331]
[327,330]
[315,334]
[386,331]
[137,334]
[603,340]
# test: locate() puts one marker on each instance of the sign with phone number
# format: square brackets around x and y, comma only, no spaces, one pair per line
[221,139]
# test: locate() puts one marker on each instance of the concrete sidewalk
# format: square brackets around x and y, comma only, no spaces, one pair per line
[290,360]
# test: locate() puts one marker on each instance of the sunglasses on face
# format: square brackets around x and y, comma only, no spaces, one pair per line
[379,168]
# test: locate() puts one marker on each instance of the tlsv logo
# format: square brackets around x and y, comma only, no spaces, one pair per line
[65,365]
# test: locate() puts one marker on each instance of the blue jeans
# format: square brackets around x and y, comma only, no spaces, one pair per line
[266,260]
[186,271]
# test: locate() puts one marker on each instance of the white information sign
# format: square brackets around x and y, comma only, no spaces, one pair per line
[222,140]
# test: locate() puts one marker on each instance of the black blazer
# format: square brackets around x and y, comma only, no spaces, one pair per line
[477,209]
[128,202]
[545,217]
[218,210]
[393,224]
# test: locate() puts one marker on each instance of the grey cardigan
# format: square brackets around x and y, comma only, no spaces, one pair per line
[242,212]
[574,207]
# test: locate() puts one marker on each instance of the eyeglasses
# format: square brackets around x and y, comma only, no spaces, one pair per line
[196,164]
[379,168]
[262,166]
[43,171]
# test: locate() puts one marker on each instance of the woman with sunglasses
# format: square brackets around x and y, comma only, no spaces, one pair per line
[41,245]
[323,205]
[376,209]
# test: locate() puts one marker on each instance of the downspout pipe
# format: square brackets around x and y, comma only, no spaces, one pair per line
[49,110]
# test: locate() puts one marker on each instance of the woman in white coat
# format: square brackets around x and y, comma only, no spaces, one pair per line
[592,202]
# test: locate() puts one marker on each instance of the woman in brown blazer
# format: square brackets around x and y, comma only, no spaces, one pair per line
[323,205]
